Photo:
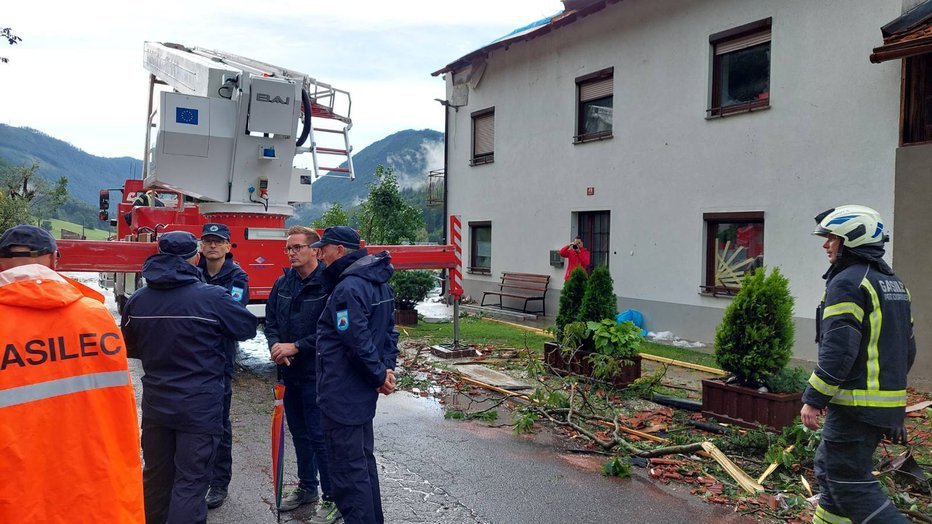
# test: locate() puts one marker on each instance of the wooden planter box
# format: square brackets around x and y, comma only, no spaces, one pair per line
[578,364]
[747,407]
[406,317]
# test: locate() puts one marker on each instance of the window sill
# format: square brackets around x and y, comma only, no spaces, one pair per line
[714,113]
[478,161]
[478,271]
[594,137]
[717,292]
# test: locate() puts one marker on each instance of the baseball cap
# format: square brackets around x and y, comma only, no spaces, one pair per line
[339,236]
[215,229]
[39,241]
[180,243]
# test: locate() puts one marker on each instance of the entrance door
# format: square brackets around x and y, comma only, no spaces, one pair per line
[593,228]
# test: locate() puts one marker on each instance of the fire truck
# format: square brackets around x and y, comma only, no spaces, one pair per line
[232,140]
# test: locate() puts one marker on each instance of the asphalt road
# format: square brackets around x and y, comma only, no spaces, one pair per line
[441,471]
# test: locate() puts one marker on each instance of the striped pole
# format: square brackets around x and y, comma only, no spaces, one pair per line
[456,273]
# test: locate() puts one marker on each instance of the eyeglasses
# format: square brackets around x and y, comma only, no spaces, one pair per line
[296,247]
[217,242]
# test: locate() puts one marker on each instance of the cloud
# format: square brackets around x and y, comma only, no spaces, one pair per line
[429,155]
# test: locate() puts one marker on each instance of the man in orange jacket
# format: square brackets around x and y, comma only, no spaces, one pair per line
[69,433]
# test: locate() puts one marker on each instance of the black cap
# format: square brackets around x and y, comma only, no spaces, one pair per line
[339,236]
[39,241]
[180,243]
[215,229]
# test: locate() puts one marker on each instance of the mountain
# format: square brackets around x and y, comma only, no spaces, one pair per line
[87,174]
[410,153]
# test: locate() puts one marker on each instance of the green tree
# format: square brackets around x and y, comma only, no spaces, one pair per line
[755,339]
[335,216]
[27,197]
[599,301]
[570,299]
[7,32]
[385,217]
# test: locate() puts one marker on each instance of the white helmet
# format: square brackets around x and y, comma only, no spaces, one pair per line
[856,225]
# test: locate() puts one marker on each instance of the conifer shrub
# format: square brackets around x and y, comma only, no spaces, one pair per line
[599,300]
[755,339]
[411,287]
[570,299]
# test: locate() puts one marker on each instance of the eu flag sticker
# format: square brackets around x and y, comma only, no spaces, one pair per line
[186,115]
[343,320]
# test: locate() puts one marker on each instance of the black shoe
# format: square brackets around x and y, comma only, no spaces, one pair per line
[215,497]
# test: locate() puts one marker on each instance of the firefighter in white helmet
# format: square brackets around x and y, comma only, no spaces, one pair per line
[866,347]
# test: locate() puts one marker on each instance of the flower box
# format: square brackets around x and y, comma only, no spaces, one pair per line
[578,364]
[748,407]
[406,317]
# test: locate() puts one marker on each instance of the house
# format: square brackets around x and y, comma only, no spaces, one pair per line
[686,142]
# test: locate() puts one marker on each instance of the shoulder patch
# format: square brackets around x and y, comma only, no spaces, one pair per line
[343,320]
[236,292]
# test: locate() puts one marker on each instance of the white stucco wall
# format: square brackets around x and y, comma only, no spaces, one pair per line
[828,138]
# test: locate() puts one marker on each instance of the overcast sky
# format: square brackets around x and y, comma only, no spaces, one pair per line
[78,76]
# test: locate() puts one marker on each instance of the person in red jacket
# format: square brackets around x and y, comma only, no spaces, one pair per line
[576,254]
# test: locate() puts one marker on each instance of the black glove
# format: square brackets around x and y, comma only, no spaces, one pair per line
[897,434]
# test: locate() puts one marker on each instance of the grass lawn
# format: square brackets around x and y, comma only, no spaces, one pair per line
[474,330]
[91,234]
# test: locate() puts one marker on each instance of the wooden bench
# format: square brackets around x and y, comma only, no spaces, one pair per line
[521,286]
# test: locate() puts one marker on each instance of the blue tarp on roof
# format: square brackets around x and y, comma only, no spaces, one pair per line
[524,30]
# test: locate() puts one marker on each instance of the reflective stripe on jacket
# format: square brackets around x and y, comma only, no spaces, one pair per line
[866,345]
[69,434]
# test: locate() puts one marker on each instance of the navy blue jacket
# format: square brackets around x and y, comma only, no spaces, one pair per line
[232,278]
[291,316]
[178,325]
[866,342]
[356,337]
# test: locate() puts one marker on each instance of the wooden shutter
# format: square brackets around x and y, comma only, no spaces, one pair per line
[483,134]
[595,89]
[742,42]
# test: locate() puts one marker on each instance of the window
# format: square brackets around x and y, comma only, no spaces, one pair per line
[593,228]
[480,247]
[741,69]
[734,246]
[917,100]
[594,110]
[483,137]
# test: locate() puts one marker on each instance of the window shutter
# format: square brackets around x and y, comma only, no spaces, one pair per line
[743,42]
[596,89]
[484,129]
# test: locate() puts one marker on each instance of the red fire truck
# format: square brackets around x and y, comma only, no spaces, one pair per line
[231,140]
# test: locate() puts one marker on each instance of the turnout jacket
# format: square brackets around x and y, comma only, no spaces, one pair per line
[866,344]
[178,326]
[69,437]
[232,278]
[291,316]
[356,337]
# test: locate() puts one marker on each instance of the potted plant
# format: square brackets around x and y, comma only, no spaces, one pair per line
[753,343]
[591,343]
[410,287]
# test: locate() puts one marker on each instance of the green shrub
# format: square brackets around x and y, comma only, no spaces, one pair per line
[615,345]
[411,287]
[570,299]
[787,380]
[755,339]
[599,302]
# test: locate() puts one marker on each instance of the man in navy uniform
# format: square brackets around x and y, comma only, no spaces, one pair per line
[178,326]
[218,268]
[357,346]
[294,305]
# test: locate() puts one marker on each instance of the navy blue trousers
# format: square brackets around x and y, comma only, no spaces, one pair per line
[353,472]
[176,474]
[310,449]
[222,469]
[843,465]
